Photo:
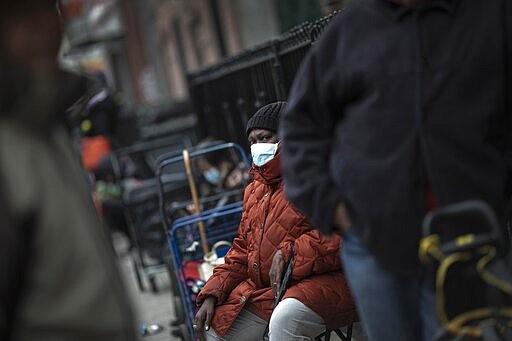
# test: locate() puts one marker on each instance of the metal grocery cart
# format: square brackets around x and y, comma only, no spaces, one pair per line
[221,224]
[150,252]
[140,203]
[194,225]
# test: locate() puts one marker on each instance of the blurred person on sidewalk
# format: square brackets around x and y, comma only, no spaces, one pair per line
[401,106]
[58,276]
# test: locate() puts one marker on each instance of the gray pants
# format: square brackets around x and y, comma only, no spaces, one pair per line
[291,320]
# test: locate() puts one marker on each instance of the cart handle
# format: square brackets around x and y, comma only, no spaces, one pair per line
[195,199]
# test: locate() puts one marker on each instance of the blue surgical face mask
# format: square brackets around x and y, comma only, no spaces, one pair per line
[263,153]
[212,175]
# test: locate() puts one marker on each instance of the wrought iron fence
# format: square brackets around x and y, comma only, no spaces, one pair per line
[225,95]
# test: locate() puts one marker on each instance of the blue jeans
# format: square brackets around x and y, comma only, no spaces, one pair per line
[390,307]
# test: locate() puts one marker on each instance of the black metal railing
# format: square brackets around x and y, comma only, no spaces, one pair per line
[226,94]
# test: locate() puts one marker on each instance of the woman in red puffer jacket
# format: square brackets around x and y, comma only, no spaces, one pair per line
[237,301]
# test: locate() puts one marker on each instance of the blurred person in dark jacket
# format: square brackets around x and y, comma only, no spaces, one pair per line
[98,124]
[401,106]
[58,277]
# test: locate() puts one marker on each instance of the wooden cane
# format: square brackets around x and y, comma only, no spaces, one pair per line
[195,200]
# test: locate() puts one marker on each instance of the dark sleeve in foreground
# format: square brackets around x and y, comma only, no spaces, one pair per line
[306,131]
[14,246]
[508,51]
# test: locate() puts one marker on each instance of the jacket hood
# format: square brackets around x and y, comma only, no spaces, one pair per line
[270,172]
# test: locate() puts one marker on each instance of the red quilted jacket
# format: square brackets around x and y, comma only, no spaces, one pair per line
[269,223]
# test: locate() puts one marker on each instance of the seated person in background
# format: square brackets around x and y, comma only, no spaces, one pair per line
[237,301]
[220,170]
[220,176]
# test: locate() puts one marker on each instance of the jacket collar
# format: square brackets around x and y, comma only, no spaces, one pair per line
[270,172]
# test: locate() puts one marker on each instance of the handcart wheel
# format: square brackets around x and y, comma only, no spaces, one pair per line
[173,279]
[152,283]
[179,316]
[140,284]
[184,334]
[178,309]
[179,324]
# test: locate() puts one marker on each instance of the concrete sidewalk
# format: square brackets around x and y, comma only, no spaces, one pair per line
[150,307]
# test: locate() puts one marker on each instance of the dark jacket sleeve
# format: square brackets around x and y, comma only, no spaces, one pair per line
[14,245]
[507,17]
[306,131]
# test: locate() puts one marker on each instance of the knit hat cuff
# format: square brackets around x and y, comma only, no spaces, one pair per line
[266,117]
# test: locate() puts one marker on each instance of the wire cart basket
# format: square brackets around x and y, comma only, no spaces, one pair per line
[206,229]
[221,225]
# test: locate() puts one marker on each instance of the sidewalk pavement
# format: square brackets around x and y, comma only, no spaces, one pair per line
[150,307]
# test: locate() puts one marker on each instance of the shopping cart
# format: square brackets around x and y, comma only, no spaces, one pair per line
[221,225]
[196,225]
[150,252]
[134,170]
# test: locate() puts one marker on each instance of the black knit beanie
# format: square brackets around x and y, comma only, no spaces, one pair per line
[267,117]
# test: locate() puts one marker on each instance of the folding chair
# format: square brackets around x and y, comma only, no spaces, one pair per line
[285,283]
[344,336]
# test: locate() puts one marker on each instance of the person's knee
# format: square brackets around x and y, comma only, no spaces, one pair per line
[292,318]
[211,335]
[283,316]
[279,319]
